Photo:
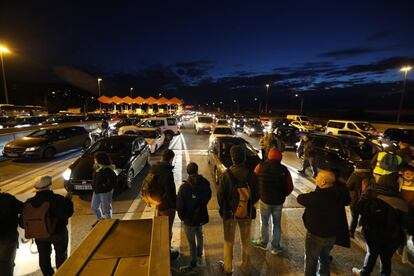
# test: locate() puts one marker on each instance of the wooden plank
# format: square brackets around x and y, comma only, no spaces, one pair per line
[129,238]
[99,267]
[159,262]
[74,264]
[132,266]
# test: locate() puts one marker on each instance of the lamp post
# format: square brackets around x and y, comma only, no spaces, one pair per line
[405,70]
[301,103]
[130,91]
[99,94]
[267,97]
[4,50]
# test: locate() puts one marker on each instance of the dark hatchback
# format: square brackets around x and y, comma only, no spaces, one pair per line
[129,153]
[289,135]
[253,127]
[340,153]
[396,135]
[219,155]
[46,142]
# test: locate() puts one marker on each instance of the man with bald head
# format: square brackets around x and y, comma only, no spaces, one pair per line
[321,221]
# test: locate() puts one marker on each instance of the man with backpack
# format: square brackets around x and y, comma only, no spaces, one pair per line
[359,180]
[386,163]
[45,218]
[192,199]
[158,188]
[237,193]
[384,217]
[10,208]
[275,184]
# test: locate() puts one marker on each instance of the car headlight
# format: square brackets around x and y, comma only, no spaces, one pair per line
[32,148]
[238,125]
[252,129]
[98,130]
[66,174]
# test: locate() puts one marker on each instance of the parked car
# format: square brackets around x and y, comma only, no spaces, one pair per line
[168,126]
[222,131]
[304,126]
[154,136]
[238,124]
[253,127]
[376,139]
[219,155]
[203,124]
[333,126]
[129,153]
[222,122]
[289,135]
[300,118]
[114,129]
[340,153]
[396,135]
[46,142]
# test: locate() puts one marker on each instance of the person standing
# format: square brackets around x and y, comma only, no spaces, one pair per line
[386,164]
[237,193]
[10,208]
[163,170]
[192,199]
[275,184]
[384,217]
[357,182]
[405,152]
[322,220]
[406,184]
[103,182]
[304,154]
[60,209]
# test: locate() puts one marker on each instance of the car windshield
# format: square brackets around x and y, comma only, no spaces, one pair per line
[365,126]
[221,122]
[152,134]
[255,123]
[205,120]
[223,130]
[151,123]
[226,146]
[43,133]
[113,146]
[306,123]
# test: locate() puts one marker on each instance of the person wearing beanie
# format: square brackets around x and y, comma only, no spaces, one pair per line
[192,199]
[275,184]
[60,209]
[357,182]
[239,178]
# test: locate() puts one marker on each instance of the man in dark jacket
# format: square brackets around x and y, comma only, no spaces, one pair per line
[164,171]
[304,154]
[360,178]
[61,208]
[10,208]
[192,199]
[275,184]
[321,220]
[384,216]
[228,199]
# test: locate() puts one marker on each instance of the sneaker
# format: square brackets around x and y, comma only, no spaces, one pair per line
[356,271]
[276,251]
[187,268]
[200,261]
[221,264]
[259,244]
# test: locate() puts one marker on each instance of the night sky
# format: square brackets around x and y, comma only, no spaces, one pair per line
[172,46]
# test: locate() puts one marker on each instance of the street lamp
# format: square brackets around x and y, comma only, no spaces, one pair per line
[99,94]
[267,97]
[301,103]
[130,91]
[405,70]
[4,50]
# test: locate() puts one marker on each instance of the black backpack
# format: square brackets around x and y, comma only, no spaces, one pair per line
[389,162]
[380,219]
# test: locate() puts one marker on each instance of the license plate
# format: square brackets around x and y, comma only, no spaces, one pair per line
[12,154]
[83,187]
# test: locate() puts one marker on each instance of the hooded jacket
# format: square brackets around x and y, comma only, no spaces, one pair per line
[10,208]
[104,179]
[224,194]
[163,170]
[192,199]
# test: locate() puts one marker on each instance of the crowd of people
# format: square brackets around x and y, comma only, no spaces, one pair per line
[380,194]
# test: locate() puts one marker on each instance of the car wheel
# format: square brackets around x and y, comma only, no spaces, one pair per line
[168,136]
[87,143]
[49,153]
[130,179]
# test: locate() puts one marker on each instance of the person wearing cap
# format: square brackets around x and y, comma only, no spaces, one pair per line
[237,174]
[275,184]
[10,208]
[61,208]
[357,182]
[192,199]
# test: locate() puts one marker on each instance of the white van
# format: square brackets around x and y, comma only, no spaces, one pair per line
[299,118]
[333,126]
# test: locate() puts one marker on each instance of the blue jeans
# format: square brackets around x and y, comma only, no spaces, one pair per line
[102,205]
[317,249]
[266,211]
[194,233]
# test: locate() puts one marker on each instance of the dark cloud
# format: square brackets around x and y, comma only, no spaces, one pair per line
[193,70]
[381,35]
[344,53]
